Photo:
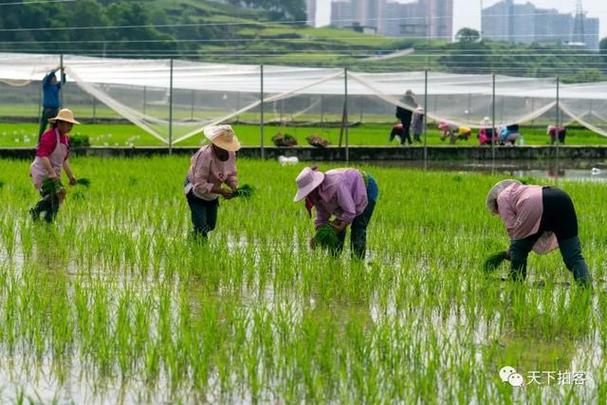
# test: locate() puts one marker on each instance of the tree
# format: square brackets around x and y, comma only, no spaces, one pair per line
[279,9]
[467,35]
[603,51]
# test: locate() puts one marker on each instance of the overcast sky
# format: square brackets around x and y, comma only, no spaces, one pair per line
[468,14]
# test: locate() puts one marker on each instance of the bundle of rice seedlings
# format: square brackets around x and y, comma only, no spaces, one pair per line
[83,182]
[326,238]
[494,261]
[317,141]
[51,187]
[245,191]
[284,140]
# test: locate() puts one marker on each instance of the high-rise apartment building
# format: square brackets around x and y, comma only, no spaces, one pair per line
[525,23]
[342,13]
[311,12]
[421,18]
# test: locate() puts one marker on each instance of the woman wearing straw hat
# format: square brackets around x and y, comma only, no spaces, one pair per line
[349,195]
[211,167]
[540,219]
[52,155]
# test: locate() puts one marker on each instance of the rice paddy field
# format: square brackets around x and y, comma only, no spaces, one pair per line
[375,134]
[114,303]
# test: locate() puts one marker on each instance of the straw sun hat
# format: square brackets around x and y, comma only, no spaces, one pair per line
[222,136]
[495,191]
[65,115]
[307,181]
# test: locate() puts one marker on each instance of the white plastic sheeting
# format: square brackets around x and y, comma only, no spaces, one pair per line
[194,94]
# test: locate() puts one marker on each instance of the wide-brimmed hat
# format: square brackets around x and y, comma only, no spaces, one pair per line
[496,191]
[307,181]
[222,136]
[442,124]
[66,115]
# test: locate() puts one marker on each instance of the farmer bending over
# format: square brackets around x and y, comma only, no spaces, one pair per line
[211,167]
[51,155]
[540,219]
[348,195]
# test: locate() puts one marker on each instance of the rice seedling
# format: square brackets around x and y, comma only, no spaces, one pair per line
[115,302]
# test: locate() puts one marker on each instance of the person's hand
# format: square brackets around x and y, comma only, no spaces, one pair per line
[61,195]
[53,176]
[227,194]
[73,181]
[338,225]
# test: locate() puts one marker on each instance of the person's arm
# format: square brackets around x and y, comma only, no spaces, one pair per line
[232,178]
[47,79]
[68,170]
[46,146]
[507,214]
[46,163]
[322,216]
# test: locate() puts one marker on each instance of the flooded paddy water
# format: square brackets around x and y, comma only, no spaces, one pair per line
[114,303]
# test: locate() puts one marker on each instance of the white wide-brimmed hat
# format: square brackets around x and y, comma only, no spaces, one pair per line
[64,114]
[496,191]
[307,181]
[222,136]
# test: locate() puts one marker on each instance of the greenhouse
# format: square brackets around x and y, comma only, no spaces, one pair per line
[173,100]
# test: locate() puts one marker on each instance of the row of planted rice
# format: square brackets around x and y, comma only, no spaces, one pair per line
[114,301]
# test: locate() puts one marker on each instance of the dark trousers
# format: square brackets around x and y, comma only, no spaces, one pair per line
[49,204]
[47,112]
[204,215]
[559,217]
[406,136]
[358,233]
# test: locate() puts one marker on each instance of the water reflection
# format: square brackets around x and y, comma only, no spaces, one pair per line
[568,170]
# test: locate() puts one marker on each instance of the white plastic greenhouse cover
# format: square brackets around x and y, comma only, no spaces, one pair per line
[209,93]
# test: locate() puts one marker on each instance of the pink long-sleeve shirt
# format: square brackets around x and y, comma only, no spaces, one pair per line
[521,208]
[207,172]
[342,193]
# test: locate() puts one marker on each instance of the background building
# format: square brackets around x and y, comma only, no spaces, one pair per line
[311,12]
[525,23]
[422,18]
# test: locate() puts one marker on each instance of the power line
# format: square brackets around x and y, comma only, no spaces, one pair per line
[22,3]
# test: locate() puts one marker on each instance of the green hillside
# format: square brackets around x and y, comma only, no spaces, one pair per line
[217,32]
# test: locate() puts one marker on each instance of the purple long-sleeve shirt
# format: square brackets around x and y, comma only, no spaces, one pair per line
[521,208]
[342,193]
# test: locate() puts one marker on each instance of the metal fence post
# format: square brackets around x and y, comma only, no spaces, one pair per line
[493,136]
[261,119]
[425,119]
[171,109]
[346,114]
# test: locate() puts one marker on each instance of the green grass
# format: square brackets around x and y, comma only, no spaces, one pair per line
[114,301]
[12,135]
